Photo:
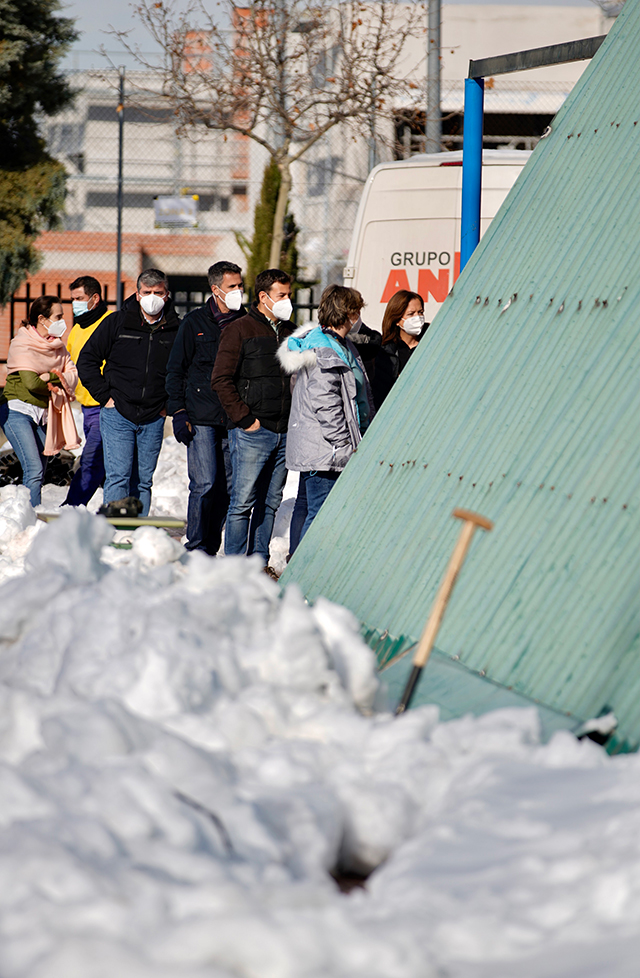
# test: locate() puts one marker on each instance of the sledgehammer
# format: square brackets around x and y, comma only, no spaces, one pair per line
[428,637]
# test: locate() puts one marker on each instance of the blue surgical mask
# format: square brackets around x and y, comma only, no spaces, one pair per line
[79,307]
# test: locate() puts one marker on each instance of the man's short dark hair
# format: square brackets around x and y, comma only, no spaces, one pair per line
[265,280]
[151,277]
[89,285]
[221,268]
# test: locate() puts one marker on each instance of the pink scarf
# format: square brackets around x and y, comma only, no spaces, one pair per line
[46,354]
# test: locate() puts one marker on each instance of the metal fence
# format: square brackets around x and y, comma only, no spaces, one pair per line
[185,300]
[219,175]
[215,178]
[218,178]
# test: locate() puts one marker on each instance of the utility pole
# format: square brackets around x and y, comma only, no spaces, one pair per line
[433,130]
[120,111]
[373,149]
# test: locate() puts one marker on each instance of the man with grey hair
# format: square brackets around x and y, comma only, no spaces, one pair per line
[199,421]
[134,346]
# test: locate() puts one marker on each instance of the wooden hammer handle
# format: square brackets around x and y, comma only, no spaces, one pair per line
[428,636]
[471,517]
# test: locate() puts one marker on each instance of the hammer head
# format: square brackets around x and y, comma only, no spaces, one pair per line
[470,517]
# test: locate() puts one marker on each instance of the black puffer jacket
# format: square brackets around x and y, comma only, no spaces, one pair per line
[191,363]
[135,355]
[247,376]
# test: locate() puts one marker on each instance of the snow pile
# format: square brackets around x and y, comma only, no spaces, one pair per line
[185,755]
[170,493]
[18,527]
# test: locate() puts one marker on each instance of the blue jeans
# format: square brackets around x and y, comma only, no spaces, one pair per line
[209,466]
[317,485]
[259,475]
[299,515]
[27,439]
[90,475]
[123,442]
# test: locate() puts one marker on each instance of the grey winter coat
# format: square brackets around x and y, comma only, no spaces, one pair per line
[323,427]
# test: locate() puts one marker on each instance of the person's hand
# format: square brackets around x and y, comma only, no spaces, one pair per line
[182,428]
[110,403]
[53,380]
[254,426]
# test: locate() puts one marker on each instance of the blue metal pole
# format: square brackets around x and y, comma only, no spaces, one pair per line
[471,167]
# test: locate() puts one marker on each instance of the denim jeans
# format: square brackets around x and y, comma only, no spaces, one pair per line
[317,485]
[209,466]
[259,475]
[299,514]
[122,442]
[90,475]
[27,439]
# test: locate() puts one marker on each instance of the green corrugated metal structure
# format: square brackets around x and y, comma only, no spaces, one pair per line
[523,403]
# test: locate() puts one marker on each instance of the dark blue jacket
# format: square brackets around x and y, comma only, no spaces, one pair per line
[191,364]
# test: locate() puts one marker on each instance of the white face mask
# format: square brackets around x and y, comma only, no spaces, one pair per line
[413,325]
[79,306]
[232,300]
[356,326]
[57,328]
[152,304]
[282,309]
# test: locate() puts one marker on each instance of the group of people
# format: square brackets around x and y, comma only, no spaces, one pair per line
[251,395]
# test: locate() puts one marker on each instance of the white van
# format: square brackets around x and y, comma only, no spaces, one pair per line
[407,231]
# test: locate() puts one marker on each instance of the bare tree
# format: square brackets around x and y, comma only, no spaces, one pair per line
[282,72]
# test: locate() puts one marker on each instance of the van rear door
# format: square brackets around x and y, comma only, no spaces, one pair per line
[408,232]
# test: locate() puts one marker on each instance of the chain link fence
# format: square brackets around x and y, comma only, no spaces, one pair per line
[188,202]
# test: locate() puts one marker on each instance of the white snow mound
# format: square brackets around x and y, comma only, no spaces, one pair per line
[185,754]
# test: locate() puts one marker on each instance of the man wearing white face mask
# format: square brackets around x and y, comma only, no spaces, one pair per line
[199,421]
[89,310]
[134,344]
[256,396]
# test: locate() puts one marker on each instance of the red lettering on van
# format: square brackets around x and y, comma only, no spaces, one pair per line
[397,280]
[428,284]
[456,266]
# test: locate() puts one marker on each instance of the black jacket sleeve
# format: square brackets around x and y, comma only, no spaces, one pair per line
[385,376]
[93,354]
[180,359]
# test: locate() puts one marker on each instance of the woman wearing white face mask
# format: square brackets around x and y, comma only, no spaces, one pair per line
[40,384]
[403,326]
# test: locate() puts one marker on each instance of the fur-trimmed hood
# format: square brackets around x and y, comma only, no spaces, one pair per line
[296,358]
[306,346]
